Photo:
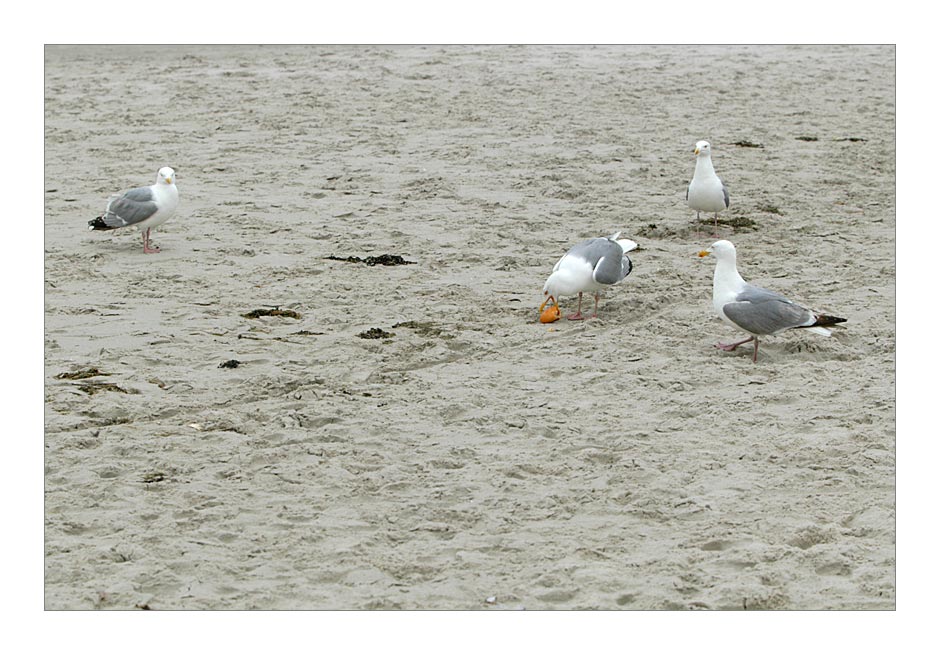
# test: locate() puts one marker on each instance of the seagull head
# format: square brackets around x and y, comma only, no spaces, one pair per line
[722,250]
[549,292]
[554,287]
[166,175]
[703,148]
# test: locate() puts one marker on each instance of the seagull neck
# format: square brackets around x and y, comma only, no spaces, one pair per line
[703,164]
[727,270]
[166,189]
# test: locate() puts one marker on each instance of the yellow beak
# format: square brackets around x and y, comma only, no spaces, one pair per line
[704,253]
[695,151]
[169,180]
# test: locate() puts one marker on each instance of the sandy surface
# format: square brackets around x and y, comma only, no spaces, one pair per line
[476,459]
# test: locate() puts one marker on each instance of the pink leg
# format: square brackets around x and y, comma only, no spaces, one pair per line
[756,343]
[597,298]
[728,347]
[577,315]
[147,249]
[716,225]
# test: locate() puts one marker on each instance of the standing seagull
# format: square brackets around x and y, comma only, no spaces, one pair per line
[757,311]
[144,207]
[706,193]
[589,266]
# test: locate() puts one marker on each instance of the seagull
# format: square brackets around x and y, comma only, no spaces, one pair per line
[757,311]
[144,207]
[706,193]
[589,266]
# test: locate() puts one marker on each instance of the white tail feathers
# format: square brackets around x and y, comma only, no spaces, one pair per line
[627,244]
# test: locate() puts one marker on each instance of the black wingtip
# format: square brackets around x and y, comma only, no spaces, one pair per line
[98,224]
[824,321]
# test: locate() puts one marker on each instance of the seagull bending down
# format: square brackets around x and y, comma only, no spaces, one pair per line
[144,207]
[706,193]
[754,310]
[589,266]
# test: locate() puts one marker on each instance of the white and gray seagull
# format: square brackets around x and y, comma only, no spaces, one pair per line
[706,193]
[754,310]
[590,266]
[143,207]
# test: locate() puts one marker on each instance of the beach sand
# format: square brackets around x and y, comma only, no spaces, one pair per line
[474,458]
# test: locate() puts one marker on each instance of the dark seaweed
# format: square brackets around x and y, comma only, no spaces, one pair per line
[384,260]
[91,388]
[255,313]
[80,375]
[375,333]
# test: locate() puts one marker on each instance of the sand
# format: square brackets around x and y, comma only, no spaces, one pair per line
[474,458]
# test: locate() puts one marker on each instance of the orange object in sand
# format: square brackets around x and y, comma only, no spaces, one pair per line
[550,314]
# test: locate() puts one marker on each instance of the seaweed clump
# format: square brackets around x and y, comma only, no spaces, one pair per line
[375,333]
[384,260]
[277,311]
[80,375]
[91,388]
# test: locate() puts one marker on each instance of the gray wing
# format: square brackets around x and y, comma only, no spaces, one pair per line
[760,311]
[606,257]
[132,207]
[615,271]
[724,190]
